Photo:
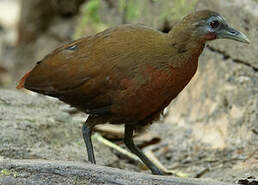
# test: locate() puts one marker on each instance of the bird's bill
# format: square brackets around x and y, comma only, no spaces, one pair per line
[233,34]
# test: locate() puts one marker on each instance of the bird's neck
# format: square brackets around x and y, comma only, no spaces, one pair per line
[188,47]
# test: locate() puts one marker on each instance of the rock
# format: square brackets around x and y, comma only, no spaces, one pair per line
[37,127]
[219,106]
[36,172]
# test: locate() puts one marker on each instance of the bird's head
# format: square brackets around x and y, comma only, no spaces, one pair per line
[207,25]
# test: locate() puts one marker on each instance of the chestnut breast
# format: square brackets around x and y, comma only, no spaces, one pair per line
[153,90]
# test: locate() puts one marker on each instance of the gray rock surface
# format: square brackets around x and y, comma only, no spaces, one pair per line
[36,172]
[219,107]
[37,127]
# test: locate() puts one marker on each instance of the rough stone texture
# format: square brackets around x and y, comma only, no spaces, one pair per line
[36,127]
[36,172]
[219,106]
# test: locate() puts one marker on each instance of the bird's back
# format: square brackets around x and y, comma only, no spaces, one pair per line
[77,62]
[128,73]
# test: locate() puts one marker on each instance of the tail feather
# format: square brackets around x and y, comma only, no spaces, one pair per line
[22,81]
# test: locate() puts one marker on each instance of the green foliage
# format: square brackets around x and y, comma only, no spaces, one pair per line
[133,11]
[121,4]
[130,8]
[91,11]
[180,9]
[90,15]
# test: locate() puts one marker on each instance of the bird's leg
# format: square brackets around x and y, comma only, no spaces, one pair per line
[86,133]
[128,139]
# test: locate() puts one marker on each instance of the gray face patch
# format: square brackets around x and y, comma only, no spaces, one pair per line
[215,27]
[210,25]
[216,19]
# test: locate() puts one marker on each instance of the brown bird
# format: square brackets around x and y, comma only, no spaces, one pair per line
[127,74]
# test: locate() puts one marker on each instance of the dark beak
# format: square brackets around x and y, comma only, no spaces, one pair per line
[231,33]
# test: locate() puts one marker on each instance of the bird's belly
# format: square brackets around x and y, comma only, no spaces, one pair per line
[140,100]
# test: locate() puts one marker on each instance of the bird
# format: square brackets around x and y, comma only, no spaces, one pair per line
[127,74]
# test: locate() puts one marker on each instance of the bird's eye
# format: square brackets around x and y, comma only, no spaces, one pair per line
[214,24]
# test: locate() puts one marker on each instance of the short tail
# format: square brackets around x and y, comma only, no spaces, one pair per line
[22,81]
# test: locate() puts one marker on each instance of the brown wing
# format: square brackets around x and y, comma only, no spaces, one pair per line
[87,73]
[64,69]
[78,62]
